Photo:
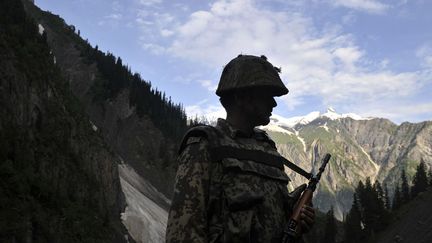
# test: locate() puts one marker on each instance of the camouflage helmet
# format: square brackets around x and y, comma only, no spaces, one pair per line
[246,71]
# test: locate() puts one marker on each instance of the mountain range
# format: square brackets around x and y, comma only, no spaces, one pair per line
[360,147]
[78,115]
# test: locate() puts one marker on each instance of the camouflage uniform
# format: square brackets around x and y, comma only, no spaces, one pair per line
[228,199]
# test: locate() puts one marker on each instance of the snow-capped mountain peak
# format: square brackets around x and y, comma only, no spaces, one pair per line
[278,122]
[333,115]
[293,121]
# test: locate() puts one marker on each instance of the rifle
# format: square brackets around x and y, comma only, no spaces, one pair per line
[292,229]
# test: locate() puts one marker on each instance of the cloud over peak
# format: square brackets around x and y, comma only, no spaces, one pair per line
[321,61]
[370,6]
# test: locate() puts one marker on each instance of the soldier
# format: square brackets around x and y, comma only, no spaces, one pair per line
[230,185]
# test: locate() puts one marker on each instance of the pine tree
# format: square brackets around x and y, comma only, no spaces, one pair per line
[360,191]
[397,199]
[379,191]
[381,213]
[353,230]
[420,181]
[330,229]
[430,176]
[370,208]
[387,203]
[405,188]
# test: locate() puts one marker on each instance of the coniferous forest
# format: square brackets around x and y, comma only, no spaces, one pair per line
[169,117]
[58,178]
[114,77]
[372,210]
[48,189]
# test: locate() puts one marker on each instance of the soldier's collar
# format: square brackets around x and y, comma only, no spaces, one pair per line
[235,133]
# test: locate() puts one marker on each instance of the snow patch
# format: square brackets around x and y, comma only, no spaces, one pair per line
[333,115]
[293,121]
[41,29]
[325,126]
[94,127]
[301,140]
[376,166]
[276,128]
[304,120]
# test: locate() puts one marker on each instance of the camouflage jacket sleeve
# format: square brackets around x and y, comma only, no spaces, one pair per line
[187,220]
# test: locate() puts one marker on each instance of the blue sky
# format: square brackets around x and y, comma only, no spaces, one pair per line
[370,57]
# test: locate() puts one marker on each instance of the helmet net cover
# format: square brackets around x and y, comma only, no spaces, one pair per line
[250,72]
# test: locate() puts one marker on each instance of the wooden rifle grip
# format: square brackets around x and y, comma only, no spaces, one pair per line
[306,198]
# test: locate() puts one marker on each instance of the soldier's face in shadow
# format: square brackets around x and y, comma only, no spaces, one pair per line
[258,106]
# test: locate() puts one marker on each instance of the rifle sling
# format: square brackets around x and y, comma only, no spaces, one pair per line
[221,152]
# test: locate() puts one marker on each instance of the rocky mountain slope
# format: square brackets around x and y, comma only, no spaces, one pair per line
[136,137]
[58,179]
[360,148]
[146,213]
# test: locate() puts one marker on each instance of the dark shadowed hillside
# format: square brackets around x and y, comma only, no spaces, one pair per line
[58,179]
[412,223]
[140,123]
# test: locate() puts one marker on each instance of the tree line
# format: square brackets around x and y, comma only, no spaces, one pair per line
[48,188]
[168,116]
[114,76]
[372,209]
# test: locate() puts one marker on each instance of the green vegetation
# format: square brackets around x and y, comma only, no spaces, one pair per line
[47,191]
[420,180]
[352,226]
[330,228]
[284,138]
[405,190]
[371,212]
[114,77]
[368,214]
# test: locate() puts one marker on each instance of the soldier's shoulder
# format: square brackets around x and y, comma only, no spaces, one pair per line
[192,140]
[198,135]
[263,135]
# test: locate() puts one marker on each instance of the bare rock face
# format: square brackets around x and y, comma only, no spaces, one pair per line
[393,147]
[374,148]
[135,139]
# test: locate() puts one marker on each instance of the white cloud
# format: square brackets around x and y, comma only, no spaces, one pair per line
[153,25]
[384,63]
[348,56]
[208,84]
[232,27]
[117,6]
[153,48]
[111,19]
[326,64]
[397,111]
[114,16]
[349,18]
[166,33]
[370,6]
[424,52]
[210,112]
[149,2]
